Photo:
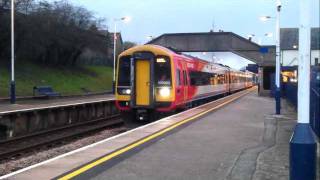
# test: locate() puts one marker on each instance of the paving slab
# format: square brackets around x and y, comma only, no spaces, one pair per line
[233,142]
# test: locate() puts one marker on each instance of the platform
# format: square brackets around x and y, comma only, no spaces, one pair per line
[241,140]
[25,105]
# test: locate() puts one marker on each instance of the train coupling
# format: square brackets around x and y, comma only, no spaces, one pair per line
[142,115]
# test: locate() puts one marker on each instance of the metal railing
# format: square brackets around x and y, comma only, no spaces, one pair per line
[290,93]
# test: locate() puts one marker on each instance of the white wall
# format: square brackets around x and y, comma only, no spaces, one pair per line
[290,57]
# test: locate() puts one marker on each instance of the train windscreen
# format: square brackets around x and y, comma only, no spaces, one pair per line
[124,71]
[162,71]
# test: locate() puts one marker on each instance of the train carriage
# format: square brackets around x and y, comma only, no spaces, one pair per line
[152,78]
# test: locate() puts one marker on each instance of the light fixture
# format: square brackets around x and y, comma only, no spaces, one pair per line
[268,34]
[150,37]
[164,92]
[251,35]
[126,91]
[264,18]
[126,19]
[161,60]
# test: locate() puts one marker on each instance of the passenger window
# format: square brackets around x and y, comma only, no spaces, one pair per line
[124,72]
[162,70]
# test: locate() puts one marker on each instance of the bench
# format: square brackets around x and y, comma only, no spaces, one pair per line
[44,91]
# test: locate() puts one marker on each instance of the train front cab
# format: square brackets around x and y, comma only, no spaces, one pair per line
[145,82]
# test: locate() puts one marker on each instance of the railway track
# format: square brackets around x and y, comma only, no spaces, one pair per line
[21,145]
[18,146]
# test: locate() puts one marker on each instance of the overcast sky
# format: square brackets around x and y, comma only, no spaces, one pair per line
[155,17]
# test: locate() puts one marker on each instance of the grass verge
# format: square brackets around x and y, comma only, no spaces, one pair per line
[65,80]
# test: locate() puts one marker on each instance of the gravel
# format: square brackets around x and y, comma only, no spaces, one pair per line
[45,153]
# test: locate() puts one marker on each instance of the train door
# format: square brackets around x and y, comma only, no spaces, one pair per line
[231,81]
[228,81]
[185,83]
[142,78]
[142,89]
[179,84]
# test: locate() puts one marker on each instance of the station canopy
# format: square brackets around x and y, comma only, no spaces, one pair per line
[218,42]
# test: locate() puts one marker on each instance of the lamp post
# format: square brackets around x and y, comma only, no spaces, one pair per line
[303,146]
[125,19]
[12,83]
[277,78]
[278,64]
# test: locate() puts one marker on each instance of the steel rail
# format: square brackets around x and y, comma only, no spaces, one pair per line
[12,147]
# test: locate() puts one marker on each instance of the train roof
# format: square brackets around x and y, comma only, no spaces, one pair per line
[170,52]
[196,58]
[153,48]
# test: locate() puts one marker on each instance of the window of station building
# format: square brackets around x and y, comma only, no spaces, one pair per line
[124,72]
[162,69]
[289,76]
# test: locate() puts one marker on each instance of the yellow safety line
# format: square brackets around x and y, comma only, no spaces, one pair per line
[144,140]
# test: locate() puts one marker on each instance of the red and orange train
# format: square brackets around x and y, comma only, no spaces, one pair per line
[152,78]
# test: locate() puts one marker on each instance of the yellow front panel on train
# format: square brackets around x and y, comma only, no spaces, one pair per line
[142,82]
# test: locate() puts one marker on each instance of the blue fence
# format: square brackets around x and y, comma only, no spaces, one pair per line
[315,100]
[290,92]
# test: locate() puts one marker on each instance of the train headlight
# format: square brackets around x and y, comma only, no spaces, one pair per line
[126,91]
[164,92]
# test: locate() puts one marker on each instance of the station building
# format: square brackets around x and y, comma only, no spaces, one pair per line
[289,44]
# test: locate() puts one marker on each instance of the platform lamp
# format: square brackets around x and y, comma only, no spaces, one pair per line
[278,64]
[150,37]
[250,36]
[260,37]
[278,68]
[115,20]
[12,83]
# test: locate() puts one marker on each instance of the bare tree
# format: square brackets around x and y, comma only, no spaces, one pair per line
[51,33]
[24,6]
[5,4]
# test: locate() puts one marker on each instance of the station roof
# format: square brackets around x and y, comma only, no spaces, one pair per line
[218,42]
[289,38]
